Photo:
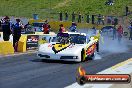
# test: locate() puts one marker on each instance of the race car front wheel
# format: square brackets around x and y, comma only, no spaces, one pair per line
[82,55]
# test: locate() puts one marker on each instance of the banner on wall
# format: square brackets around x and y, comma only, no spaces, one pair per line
[32,42]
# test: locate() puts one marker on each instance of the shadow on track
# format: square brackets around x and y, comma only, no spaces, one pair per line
[54,61]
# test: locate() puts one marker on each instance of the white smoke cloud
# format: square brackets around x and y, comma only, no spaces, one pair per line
[109,45]
[97,57]
[113,46]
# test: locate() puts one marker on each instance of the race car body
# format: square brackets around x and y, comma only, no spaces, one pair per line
[69,46]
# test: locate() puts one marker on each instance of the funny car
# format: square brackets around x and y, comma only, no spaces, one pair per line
[69,46]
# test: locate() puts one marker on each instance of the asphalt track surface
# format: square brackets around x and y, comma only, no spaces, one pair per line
[27,71]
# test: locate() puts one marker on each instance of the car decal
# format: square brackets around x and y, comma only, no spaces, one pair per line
[91,49]
[59,47]
[50,45]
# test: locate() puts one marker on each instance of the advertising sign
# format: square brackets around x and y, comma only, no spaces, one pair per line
[32,41]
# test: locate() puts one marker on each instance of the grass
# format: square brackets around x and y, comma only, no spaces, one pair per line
[50,8]
[25,8]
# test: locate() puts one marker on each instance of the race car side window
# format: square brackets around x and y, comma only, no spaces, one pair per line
[77,39]
[54,39]
[82,39]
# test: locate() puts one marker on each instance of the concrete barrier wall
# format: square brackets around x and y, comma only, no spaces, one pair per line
[6,47]
[22,44]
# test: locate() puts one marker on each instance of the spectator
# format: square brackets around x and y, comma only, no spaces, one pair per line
[130,31]
[82,20]
[99,19]
[79,17]
[73,17]
[17,32]
[62,29]
[28,27]
[88,18]
[66,16]
[73,27]
[109,20]
[93,18]
[127,11]
[6,28]
[120,32]
[103,19]
[115,22]
[60,13]
[46,27]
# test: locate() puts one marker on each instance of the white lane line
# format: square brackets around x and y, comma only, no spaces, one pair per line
[121,68]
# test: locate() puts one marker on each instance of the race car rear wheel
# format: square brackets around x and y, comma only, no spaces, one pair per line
[82,55]
[92,56]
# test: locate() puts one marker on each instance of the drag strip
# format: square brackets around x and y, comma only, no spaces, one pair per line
[27,71]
